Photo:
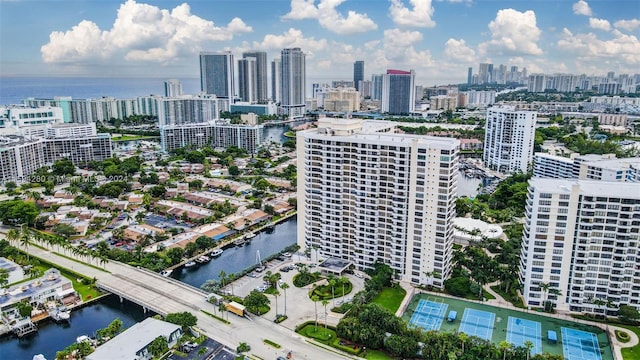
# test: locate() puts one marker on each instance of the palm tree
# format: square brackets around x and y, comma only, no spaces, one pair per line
[4,277]
[343,281]
[13,236]
[103,261]
[331,279]
[284,287]
[504,346]
[545,288]
[315,299]
[529,345]
[325,303]
[463,339]
[276,293]
[25,238]
[556,293]
[222,276]
[222,309]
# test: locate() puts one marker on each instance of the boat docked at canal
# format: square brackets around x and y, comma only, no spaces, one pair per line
[166,272]
[239,242]
[203,259]
[216,252]
[190,264]
[60,314]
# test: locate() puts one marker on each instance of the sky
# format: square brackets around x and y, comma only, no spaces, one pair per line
[439,39]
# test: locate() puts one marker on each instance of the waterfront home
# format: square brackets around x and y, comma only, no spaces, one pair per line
[133,343]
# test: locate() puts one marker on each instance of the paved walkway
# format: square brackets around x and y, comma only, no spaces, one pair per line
[166,295]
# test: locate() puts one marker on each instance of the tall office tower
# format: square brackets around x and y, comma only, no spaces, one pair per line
[216,74]
[358,73]
[367,195]
[537,83]
[398,92]
[469,75]
[365,89]
[376,87]
[172,88]
[484,73]
[248,80]
[261,74]
[293,83]
[508,139]
[581,237]
[276,79]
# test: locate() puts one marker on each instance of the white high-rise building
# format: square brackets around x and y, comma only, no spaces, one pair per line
[293,82]
[367,195]
[261,74]
[189,109]
[508,139]
[172,88]
[581,238]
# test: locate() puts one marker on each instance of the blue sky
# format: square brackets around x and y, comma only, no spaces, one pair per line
[437,38]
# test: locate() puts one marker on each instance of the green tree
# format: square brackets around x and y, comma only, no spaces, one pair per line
[234,170]
[4,277]
[255,301]
[17,212]
[63,167]
[315,300]
[175,255]
[24,308]
[158,346]
[284,288]
[628,313]
[64,230]
[184,319]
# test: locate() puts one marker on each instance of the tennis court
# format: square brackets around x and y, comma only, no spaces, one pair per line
[580,345]
[477,323]
[520,330]
[429,314]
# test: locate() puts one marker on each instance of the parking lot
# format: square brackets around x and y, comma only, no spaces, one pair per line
[299,307]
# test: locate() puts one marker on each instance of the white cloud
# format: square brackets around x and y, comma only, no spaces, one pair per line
[628,25]
[140,32]
[290,38]
[600,24]
[459,51]
[589,48]
[419,16]
[329,18]
[513,32]
[582,8]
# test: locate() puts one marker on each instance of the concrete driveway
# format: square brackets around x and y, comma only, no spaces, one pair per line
[299,307]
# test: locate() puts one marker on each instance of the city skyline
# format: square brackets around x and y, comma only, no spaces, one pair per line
[163,38]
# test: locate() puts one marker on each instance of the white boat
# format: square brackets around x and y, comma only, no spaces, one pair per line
[60,314]
[83,338]
[166,273]
[203,259]
[216,252]
[239,242]
[190,264]
[249,236]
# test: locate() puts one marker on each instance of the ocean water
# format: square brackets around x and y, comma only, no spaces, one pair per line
[14,89]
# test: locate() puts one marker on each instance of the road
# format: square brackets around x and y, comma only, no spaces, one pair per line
[166,295]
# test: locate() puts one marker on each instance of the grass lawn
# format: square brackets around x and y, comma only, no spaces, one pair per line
[390,298]
[631,353]
[377,355]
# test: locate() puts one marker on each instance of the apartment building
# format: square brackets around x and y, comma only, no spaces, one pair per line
[581,238]
[219,133]
[508,140]
[368,194]
[589,166]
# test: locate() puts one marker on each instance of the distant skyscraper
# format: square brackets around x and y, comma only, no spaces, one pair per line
[483,73]
[261,74]
[172,88]
[293,83]
[469,75]
[376,86]
[398,92]
[276,70]
[358,73]
[247,80]
[216,73]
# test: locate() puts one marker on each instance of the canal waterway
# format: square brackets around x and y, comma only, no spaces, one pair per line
[235,259]
[52,337]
